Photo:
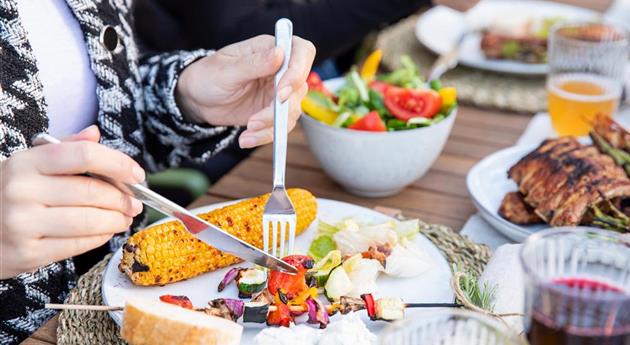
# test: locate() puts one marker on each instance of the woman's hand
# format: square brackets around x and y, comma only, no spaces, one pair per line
[234,86]
[49,213]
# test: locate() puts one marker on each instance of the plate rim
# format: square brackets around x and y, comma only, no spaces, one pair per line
[116,316]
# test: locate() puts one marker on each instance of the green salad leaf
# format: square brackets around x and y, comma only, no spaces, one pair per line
[321,246]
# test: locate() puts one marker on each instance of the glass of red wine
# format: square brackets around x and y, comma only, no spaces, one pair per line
[577,287]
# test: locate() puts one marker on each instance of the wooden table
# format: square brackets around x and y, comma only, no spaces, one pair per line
[439,197]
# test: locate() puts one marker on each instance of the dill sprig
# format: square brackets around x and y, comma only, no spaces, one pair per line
[481,295]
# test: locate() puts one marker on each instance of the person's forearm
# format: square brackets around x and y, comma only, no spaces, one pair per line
[332,25]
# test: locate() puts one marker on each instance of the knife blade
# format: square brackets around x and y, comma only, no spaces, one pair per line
[206,232]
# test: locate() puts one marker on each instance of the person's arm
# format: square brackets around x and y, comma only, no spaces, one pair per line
[194,100]
[332,25]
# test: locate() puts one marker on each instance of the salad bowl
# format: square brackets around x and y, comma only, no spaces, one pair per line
[375,164]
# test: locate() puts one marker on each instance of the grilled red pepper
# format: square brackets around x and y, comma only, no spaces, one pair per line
[181,301]
[280,317]
[291,285]
[370,306]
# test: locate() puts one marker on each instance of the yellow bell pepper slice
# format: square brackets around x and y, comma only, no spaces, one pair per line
[370,65]
[317,111]
[449,96]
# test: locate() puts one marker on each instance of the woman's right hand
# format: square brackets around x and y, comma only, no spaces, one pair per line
[50,213]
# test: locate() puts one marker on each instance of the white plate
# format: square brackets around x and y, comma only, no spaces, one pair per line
[439,28]
[488,182]
[433,286]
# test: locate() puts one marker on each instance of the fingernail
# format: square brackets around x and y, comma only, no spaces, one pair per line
[88,129]
[129,222]
[136,206]
[246,141]
[284,93]
[138,173]
[255,125]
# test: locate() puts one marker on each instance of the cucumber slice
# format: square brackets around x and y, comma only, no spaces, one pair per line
[251,281]
[338,283]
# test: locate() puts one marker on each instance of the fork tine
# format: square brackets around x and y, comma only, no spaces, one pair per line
[291,235]
[274,244]
[266,235]
[283,236]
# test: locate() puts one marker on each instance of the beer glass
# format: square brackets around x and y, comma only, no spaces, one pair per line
[586,71]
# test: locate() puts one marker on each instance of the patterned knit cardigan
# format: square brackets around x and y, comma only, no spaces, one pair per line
[137,115]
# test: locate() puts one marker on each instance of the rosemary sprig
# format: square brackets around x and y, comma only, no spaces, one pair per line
[481,295]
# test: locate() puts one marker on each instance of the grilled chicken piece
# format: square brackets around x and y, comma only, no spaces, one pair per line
[617,136]
[516,210]
[562,178]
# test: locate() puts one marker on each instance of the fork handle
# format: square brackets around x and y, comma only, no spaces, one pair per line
[284,35]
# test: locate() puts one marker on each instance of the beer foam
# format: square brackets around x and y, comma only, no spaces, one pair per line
[612,88]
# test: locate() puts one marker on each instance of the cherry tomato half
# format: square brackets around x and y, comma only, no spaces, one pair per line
[405,104]
[370,122]
[315,83]
[379,86]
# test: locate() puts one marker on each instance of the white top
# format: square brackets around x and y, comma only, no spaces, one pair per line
[64,67]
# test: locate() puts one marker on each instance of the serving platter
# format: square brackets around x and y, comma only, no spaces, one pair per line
[431,286]
[440,27]
[488,182]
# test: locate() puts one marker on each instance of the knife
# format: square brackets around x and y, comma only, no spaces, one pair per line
[208,233]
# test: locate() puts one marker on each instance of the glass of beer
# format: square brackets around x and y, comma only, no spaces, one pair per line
[577,287]
[449,327]
[586,71]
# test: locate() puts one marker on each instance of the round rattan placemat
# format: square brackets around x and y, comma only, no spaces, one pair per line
[476,87]
[84,327]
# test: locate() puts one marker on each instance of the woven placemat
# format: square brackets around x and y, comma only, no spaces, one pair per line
[477,87]
[84,327]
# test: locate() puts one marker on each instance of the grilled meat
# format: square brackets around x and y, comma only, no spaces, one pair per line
[617,136]
[496,45]
[516,210]
[562,179]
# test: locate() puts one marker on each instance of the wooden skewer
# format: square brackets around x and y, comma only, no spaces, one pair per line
[82,307]
[271,307]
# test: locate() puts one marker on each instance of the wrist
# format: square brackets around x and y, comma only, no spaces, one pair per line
[185,103]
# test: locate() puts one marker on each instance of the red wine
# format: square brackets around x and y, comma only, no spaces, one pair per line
[579,311]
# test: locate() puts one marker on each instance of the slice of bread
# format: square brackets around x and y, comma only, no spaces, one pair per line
[153,322]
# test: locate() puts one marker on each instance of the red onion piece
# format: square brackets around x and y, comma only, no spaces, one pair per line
[229,277]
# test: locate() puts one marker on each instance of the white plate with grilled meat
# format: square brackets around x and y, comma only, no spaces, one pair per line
[431,286]
[439,28]
[488,183]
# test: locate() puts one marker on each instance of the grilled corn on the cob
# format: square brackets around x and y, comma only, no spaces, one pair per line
[167,253]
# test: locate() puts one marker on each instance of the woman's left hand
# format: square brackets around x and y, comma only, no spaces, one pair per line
[234,86]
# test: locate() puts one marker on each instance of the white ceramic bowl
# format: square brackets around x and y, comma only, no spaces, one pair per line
[373,164]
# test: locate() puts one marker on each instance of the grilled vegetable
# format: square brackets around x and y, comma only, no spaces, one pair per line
[389,309]
[229,277]
[256,312]
[369,305]
[167,253]
[250,281]
[291,284]
[227,308]
[338,283]
[181,301]
[317,313]
[280,317]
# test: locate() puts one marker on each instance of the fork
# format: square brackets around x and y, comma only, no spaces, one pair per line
[279,213]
